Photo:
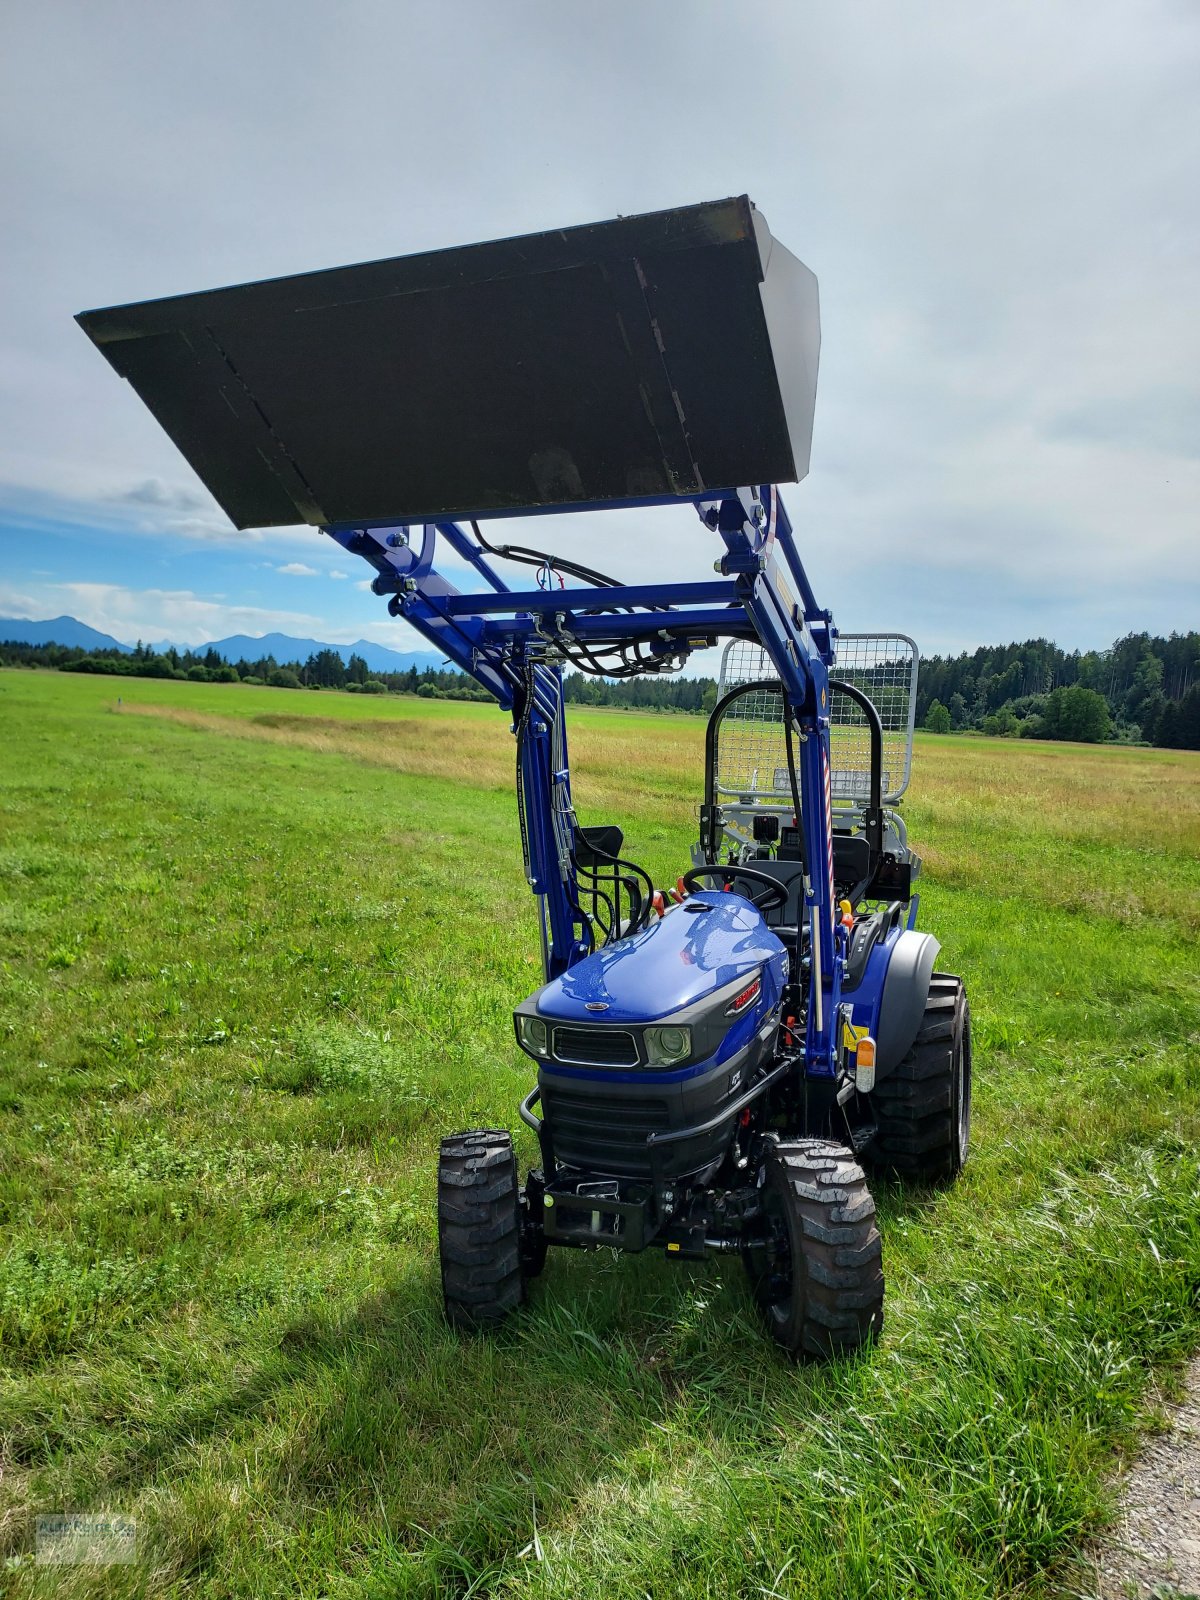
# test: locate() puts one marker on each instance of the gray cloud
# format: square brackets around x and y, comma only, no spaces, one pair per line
[169,497]
[1165,420]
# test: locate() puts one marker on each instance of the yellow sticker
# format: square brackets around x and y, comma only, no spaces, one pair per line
[852,1032]
[672,1247]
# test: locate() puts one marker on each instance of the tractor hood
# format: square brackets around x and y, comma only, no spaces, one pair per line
[678,961]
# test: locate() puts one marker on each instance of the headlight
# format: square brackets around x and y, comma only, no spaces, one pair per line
[534,1035]
[666,1046]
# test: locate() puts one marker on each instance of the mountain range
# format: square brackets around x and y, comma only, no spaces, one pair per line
[239,646]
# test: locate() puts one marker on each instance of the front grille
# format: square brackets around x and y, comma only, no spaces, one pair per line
[602,1133]
[595,1047]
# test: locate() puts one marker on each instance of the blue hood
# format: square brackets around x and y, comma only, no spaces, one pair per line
[677,961]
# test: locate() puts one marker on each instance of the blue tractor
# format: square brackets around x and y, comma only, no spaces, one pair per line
[720,1067]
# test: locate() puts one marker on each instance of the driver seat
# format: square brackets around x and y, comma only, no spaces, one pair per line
[851,875]
[790,876]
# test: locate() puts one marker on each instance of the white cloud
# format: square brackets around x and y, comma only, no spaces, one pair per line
[332,574]
[13,603]
[176,614]
[396,635]
[185,617]
[94,506]
[212,529]
[297,569]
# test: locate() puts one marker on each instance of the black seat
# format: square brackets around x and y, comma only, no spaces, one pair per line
[790,874]
[852,865]
[851,874]
[598,846]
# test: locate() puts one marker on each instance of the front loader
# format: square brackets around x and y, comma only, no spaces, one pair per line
[718,1067]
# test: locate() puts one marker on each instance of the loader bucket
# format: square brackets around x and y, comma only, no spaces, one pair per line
[642,359]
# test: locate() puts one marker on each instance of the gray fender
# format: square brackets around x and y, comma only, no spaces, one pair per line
[905,991]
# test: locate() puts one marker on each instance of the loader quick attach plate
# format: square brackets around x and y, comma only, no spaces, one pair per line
[643,359]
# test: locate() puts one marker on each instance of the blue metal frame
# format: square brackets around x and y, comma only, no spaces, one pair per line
[506,639]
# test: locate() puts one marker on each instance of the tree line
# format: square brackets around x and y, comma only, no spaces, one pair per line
[1145,689]
[324,669]
[652,693]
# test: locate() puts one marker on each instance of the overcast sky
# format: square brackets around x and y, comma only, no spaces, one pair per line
[1001,202]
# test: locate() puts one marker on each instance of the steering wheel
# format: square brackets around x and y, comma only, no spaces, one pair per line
[772,894]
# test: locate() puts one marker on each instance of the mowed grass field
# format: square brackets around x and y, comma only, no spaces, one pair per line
[258,951]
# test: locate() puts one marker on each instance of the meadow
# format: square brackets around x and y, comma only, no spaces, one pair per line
[258,951]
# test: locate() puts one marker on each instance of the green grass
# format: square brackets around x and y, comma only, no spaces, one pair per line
[258,950]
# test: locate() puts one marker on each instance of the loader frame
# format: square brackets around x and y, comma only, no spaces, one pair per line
[514,642]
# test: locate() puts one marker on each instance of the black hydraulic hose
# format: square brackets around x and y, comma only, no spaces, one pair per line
[522,724]
[596,663]
[538,558]
[629,866]
[791,761]
[585,922]
[608,929]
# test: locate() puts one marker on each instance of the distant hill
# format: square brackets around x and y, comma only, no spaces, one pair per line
[239,646]
[59,630]
[284,648]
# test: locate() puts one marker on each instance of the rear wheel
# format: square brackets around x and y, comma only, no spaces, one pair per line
[814,1256]
[479,1228]
[923,1108]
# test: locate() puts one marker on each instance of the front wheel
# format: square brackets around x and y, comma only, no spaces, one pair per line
[814,1257]
[479,1228]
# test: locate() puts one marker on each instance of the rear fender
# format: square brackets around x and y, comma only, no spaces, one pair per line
[902,1004]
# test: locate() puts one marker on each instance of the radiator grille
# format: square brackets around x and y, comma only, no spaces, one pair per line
[603,1133]
[595,1047]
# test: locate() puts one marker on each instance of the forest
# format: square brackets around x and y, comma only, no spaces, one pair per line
[1143,689]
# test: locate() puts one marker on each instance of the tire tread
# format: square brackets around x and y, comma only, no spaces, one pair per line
[479,1228]
[842,1271]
